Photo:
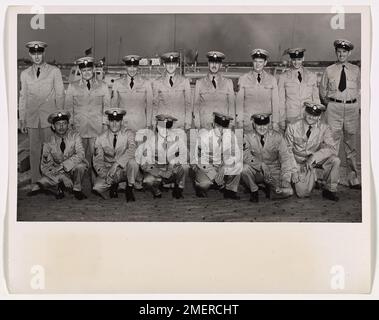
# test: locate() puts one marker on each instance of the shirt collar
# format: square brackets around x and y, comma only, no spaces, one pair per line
[41,66]
[217,76]
[346,64]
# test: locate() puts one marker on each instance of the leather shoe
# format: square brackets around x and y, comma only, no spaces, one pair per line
[254,197]
[79,195]
[326,194]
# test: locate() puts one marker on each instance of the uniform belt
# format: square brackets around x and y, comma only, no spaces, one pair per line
[343,101]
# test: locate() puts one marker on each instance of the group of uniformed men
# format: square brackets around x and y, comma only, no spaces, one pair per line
[286,135]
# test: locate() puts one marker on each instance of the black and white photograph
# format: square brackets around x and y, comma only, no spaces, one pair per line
[184,150]
[189,117]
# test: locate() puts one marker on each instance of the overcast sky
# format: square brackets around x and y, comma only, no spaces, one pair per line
[114,36]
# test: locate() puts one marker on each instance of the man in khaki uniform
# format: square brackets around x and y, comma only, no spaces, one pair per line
[213,93]
[266,160]
[166,152]
[114,158]
[340,91]
[87,99]
[258,93]
[172,93]
[217,159]
[63,164]
[41,93]
[134,95]
[312,144]
[99,70]
[296,86]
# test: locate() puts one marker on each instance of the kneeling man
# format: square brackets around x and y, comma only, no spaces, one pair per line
[313,146]
[266,160]
[166,152]
[218,161]
[63,162]
[114,157]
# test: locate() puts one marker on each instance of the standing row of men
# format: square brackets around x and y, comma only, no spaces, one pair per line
[259,93]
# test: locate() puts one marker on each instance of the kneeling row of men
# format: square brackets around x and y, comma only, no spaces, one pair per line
[276,162]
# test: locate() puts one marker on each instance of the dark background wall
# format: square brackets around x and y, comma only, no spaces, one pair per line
[114,36]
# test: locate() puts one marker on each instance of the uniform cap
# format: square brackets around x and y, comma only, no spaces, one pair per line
[259,53]
[261,118]
[36,46]
[115,113]
[131,60]
[170,57]
[295,52]
[222,119]
[344,44]
[59,115]
[85,62]
[167,119]
[313,108]
[215,56]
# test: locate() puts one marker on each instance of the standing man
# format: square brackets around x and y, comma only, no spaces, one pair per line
[312,144]
[340,92]
[63,164]
[258,93]
[41,93]
[172,93]
[87,99]
[114,158]
[166,151]
[217,159]
[134,95]
[266,160]
[213,93]
[99,69]
[296,86]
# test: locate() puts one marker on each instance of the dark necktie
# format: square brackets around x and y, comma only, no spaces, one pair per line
[88,85]
[114,141]
[259,78]
[342,84]
[214,82]
[171,82]
[299,76]
[131,82]
[262,141]
[309,132]
[38,72]
[63,145]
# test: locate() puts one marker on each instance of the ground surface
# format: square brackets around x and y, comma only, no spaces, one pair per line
[212,209]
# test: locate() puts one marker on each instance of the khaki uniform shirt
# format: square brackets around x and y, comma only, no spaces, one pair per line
[53,158]
[136,101]
[209,99]
[158,155]
[331,79]
[274,153]
[174,101]
[320,143]
[39,97]
[214,149]
[87,106]
[293,93]
[105,155]
[254,97]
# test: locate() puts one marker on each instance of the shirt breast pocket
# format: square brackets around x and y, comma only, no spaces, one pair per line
[108,151]
[299,141]
[38,87]
[291,87]
[352,82]
[332,85]
[268,87]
